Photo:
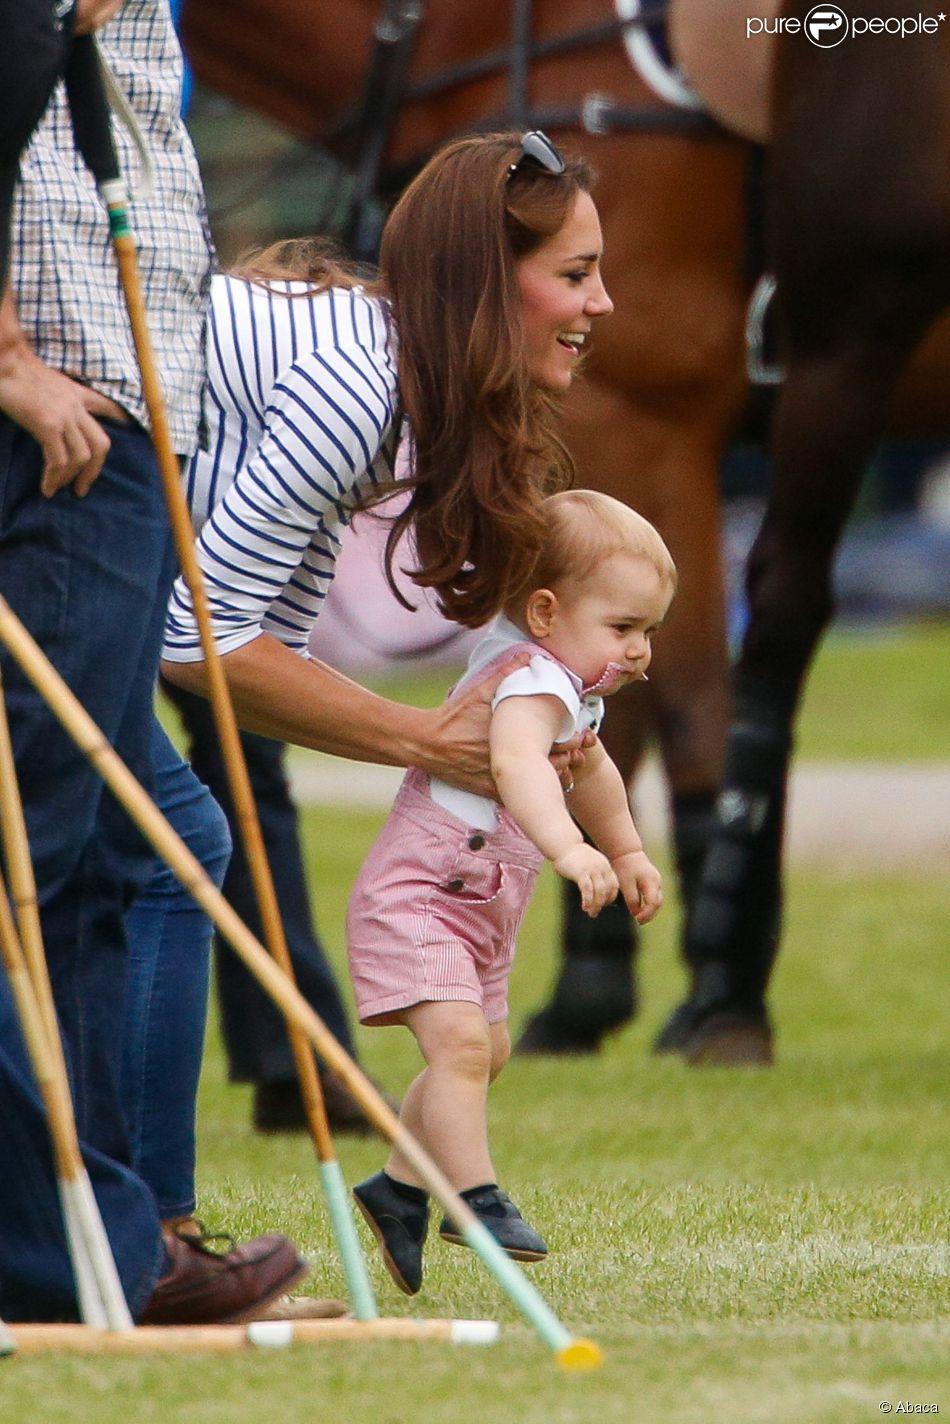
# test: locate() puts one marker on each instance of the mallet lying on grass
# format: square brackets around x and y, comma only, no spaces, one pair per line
[571,1353]
[228,1339]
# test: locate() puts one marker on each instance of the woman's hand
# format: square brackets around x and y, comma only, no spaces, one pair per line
[461,755]
[568,758]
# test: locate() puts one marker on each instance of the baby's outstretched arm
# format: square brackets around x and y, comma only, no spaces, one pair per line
[599,804]
[521,734]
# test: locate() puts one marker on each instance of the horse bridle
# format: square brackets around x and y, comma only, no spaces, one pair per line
[366,128]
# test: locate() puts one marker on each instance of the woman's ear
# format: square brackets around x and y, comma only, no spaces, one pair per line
[540,612]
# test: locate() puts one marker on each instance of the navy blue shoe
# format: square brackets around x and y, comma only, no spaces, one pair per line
[399,1225]
[499,1215]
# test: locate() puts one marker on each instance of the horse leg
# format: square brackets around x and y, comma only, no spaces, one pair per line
[845,352]
[685,705]
[733,937]
[689,684]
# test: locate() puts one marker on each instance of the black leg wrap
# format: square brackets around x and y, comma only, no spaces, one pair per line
[595,991]
[694,819]
[733,928]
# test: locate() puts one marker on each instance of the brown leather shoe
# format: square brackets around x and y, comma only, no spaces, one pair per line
[204,1287]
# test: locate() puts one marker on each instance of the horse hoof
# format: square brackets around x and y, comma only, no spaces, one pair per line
[545,1032]
[730,1040]
[594,996]
[675,1033]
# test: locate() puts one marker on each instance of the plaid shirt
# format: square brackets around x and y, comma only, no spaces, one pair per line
[64,274]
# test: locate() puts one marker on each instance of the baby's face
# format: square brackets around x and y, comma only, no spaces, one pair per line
[609,617]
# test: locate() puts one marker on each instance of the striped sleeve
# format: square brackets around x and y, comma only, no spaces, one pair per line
[269,548]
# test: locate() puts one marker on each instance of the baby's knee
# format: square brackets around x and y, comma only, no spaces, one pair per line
[500,1049]
[465,1046]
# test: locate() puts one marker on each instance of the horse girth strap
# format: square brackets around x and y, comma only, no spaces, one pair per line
[394,40]
[387,87]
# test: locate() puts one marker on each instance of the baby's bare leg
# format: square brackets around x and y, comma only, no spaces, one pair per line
[444,1107]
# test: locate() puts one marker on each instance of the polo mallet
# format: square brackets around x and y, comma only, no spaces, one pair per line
[91,127]
[102,1303]
[229,1339]
[572,1353]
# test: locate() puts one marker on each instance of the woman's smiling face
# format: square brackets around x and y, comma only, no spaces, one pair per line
[561,293]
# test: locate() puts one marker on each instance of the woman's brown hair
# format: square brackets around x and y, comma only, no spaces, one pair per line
[316,261]
[483,449]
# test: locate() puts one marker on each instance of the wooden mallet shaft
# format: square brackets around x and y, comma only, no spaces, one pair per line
[229,1339]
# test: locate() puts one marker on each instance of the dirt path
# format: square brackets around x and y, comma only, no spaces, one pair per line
[860,815]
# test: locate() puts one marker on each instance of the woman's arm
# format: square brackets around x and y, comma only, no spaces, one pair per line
[279,694]
[268,549]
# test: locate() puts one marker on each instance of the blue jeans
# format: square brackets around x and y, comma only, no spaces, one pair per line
[170,954]
[254,1034]
[90,578]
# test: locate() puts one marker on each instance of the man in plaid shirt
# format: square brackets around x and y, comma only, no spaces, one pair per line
[86,563]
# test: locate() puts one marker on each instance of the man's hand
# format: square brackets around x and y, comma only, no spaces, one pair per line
[593,875]
[91,14]
[59,413]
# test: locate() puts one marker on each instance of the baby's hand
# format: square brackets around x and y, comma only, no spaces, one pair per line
[640,884]
[592,874]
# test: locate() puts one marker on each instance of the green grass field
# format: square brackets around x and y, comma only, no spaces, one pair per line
[758,1247]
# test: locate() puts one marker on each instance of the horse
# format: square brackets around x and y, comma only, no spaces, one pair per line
[664,393]
[860,249]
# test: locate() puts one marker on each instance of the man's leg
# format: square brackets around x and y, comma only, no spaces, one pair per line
[36,1281]
[66,570]
[89,578]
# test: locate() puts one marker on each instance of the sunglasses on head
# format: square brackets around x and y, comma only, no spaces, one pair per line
[537,148]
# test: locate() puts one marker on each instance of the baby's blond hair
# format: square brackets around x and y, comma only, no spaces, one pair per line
[585,527]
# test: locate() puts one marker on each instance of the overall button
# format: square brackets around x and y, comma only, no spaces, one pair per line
[476,842]
[456,885]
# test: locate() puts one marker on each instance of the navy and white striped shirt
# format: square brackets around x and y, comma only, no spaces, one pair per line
[301,408]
